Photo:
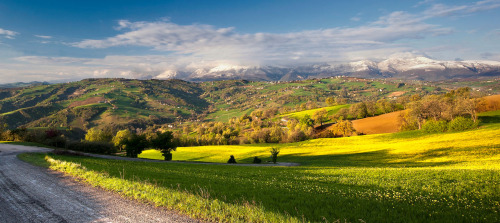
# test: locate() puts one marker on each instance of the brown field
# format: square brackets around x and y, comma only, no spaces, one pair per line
[385,123]
[396,94]
[87,101]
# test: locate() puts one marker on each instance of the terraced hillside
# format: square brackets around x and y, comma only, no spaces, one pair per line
[95,102]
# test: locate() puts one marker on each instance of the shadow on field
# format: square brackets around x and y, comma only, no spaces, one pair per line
[381,158]
[492,118]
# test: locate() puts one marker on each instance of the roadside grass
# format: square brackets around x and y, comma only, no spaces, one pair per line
[199,204]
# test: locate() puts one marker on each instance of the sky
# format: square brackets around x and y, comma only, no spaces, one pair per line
[60,41]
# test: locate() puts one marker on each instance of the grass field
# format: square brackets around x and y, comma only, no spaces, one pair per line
[331,110]
[399,177]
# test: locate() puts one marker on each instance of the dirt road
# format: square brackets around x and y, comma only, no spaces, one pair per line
[34,194]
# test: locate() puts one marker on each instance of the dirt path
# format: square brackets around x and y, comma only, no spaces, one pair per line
[34,194]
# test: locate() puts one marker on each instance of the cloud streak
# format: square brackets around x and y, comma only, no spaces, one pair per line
[43,36]
[8,33]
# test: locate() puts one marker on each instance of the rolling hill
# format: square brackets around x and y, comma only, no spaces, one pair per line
[126,103]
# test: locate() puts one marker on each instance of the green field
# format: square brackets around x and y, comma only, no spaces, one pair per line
[402,177]
[331,110]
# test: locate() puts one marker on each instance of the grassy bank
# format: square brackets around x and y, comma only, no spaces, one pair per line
[197,205]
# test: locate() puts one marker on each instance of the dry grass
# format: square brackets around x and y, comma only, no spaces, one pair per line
[396,94]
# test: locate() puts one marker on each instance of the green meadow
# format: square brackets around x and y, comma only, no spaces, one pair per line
[331,110]
[401,177]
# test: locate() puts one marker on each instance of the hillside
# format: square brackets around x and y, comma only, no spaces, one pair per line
[95,102]
[124,103]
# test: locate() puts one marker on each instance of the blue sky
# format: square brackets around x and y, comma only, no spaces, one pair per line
[71,40]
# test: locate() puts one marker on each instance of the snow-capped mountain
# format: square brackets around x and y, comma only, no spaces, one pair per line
[400,67]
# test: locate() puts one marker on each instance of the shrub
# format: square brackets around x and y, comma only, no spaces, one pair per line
[461,124]
[92,147]
[257,160]
[67,152]
[432,126]
[231,159]
[274,153]
[59,142]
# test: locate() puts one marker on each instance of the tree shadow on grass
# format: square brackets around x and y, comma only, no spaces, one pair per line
[380,158]
[489,119]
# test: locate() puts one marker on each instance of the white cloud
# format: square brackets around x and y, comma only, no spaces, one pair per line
[355,19]
[43,37]
[425,2]
[8,33]
[439,10]
[206,42]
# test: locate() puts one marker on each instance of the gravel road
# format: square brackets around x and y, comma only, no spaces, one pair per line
[34,194]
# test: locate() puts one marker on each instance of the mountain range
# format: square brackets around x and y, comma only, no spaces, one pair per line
[407,67]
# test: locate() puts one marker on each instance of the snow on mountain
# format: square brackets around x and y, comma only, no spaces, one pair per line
[402,66]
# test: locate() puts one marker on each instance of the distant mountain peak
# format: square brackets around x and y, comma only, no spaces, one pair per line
[405,66]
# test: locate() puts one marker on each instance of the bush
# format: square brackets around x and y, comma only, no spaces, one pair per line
[231,159]
[432,126]
[59,142]
[257,160]
[92,147]
[461,124]
[274,153]
[66,152]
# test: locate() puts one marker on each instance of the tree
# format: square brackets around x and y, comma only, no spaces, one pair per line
[343,113]
[320,116]
[274,153]
[330,101]
[306,120]
[468,106]
[165,143]
[3,127]
[97,135]
[120,137]
[358,110]
[276,134]
[343,93]
[135,145]
[343,128]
